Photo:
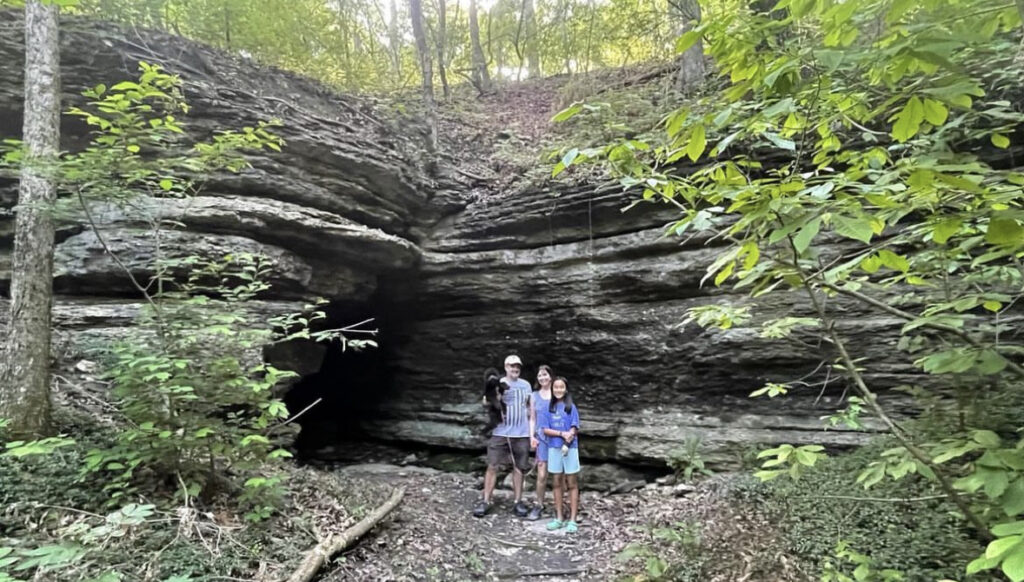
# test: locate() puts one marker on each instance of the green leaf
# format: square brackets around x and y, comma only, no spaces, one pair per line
[1000,141]
[570,156]
[945,229]
[803,239]
[981,563]
[858,228]
[166,184]
[568,112]
[698,142]
[935,112]
[781,142]
[908,120]
[1004,231]
[894,261]
[1000,546]
[1012,502]
[992,306]
[687,40]
[1008,529]
[1013,565]
[986,438]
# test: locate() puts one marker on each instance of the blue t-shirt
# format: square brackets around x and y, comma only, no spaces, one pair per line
[540,408]
[517,413]
[560,421]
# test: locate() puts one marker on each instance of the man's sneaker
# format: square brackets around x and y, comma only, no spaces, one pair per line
[535,512]
[520,509]
[481,508]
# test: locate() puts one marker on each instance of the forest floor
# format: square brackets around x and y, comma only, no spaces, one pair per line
[710,533]
[505,141]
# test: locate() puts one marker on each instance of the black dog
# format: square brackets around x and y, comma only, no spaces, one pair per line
[494,399]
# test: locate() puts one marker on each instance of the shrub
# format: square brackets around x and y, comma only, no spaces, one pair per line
[922,537]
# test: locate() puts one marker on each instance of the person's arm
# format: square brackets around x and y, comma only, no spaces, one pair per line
[545,424]
[574,423]
[533,422]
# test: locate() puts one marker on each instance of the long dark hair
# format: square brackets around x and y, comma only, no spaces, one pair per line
[551,373]
[567,399]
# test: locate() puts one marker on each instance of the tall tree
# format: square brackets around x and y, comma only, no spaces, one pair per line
[481,80]
[691,62]
[25,382]
[394,42]
[531,40]
[426,68]
[442,40]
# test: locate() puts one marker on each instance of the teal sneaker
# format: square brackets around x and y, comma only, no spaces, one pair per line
[571,527]
[555,524]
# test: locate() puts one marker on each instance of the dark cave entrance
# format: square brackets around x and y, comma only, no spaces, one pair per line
[349,383]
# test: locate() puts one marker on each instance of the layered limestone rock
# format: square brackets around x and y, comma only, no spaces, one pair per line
[455,280]
[565,278]
[340,205]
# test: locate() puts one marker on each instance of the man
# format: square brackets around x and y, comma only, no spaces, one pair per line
[510,441]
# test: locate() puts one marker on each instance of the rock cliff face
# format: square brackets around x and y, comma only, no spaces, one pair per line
[454,281]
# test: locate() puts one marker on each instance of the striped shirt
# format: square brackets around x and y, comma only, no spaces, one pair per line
[517,416]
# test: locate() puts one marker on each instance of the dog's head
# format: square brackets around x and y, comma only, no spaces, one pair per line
[491,380]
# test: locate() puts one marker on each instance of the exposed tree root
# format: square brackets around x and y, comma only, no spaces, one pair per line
[323,551]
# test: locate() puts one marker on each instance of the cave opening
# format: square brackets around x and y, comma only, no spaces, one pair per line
[339,385]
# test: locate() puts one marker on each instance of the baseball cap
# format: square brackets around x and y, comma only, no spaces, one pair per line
[513,359]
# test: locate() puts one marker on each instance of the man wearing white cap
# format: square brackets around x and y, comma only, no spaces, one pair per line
[510,441]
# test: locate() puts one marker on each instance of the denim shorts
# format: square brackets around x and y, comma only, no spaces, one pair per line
[569,464]
[542,450]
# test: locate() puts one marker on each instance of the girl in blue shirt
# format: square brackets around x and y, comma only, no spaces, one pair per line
[561,424]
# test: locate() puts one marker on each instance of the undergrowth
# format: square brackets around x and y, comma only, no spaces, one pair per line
[906,526]
[59,516]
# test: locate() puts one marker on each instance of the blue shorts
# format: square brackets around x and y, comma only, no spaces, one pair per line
[569,464]
[542,450]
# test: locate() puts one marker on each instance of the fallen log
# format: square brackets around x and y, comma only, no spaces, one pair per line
[316,557]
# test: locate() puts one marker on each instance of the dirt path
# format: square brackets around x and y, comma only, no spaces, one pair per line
[432,535]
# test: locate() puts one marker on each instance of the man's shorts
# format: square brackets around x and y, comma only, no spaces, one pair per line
[569,464]
[503,451]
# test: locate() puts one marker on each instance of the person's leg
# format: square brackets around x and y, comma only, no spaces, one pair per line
[542,482]
[572,470]
[490,480]
[520,450]
[495,456]
[572,483]
[557,494]
[555,469]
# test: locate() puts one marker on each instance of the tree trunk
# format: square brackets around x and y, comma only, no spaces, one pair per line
[426,68]
[481,79]
[346,36]
[393,43]
[566,45]
[227,27]
[691,63]
[532,50]
[442,33]
[25,382]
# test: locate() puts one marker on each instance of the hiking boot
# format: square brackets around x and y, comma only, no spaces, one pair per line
[481,508]
[535,512]
[520,509]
